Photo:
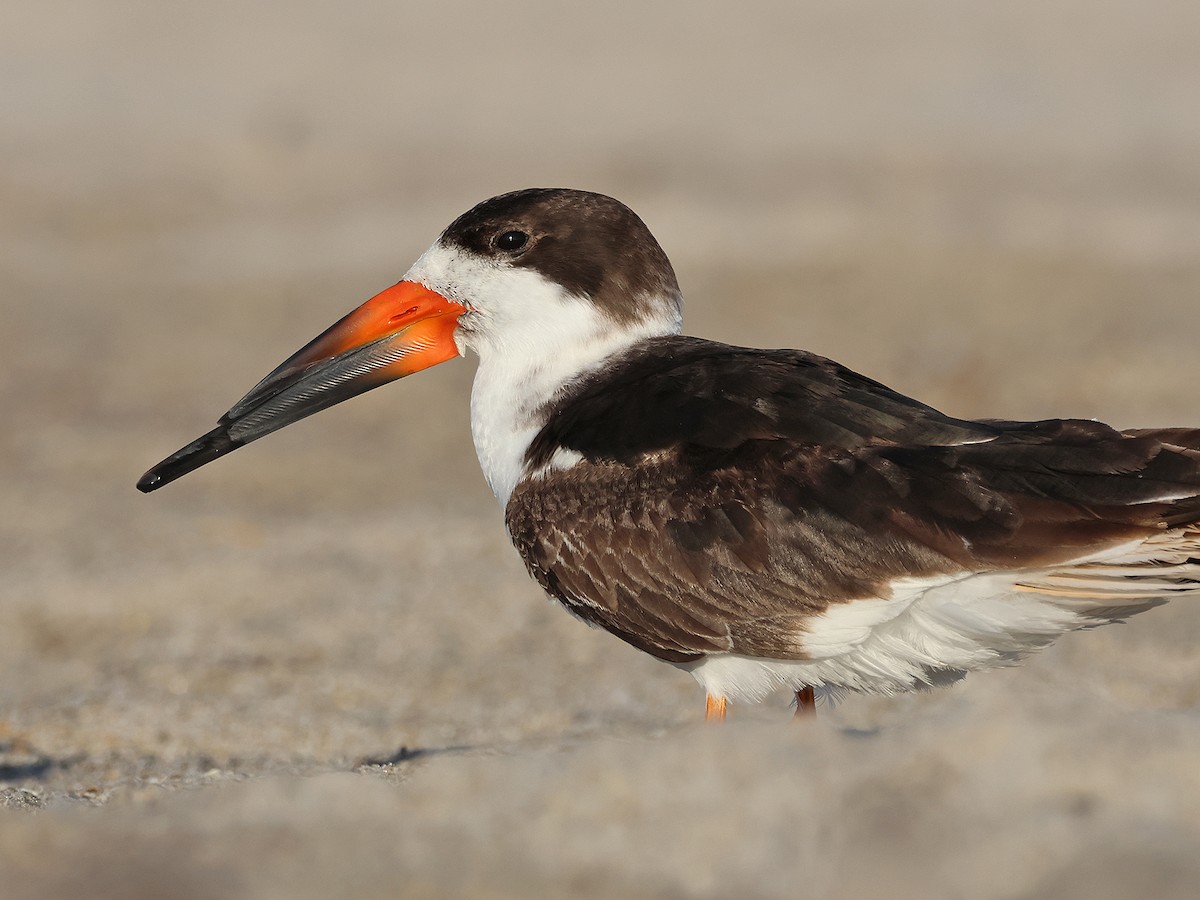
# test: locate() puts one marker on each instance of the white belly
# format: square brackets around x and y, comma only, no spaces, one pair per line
[931,631]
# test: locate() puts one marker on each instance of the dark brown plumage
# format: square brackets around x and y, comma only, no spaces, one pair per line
[726,495]
[574,236]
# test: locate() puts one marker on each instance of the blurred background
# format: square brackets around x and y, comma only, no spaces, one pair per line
[994,207]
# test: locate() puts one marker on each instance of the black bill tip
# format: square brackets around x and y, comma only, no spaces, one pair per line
[196,454]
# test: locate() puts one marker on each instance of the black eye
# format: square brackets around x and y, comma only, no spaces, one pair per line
[511,241]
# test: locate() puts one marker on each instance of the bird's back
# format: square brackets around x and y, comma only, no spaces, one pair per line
[731,501]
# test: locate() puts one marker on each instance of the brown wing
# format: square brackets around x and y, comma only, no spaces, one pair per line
[680,566]
[729,539]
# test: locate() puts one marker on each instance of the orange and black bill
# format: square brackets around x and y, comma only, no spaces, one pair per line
[397,332]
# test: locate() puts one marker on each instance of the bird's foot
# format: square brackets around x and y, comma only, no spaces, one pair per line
[806,703]
[714,709]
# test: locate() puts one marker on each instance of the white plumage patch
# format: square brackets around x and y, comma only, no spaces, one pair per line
[930,631]
[532,338]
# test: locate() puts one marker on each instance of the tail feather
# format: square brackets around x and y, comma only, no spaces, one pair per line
[1127,580]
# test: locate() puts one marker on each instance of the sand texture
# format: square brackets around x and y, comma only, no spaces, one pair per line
[316,668]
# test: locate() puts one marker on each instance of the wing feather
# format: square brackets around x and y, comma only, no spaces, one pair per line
[726,496]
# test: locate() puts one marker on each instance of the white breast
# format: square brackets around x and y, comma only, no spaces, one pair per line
[512,390]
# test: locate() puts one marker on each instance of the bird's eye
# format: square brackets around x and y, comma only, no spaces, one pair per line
[511,241]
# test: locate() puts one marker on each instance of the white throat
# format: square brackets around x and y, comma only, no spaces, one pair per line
[533,339]
[511,390]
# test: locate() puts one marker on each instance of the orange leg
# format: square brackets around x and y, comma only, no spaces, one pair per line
[806,703]
[714,709]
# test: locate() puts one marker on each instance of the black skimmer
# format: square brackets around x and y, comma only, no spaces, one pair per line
[763,519]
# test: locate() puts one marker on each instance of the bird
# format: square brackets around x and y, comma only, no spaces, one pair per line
[765,520]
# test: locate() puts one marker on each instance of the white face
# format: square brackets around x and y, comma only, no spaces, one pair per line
[515,311]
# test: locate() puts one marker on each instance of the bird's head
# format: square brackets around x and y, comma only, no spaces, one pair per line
[538,274]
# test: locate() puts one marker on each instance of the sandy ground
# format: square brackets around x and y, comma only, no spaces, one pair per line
[316,669]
